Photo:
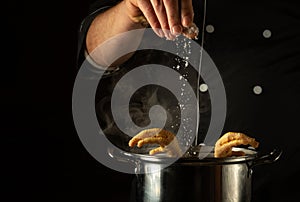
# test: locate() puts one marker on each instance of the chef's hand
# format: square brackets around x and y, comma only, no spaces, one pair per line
[163,16]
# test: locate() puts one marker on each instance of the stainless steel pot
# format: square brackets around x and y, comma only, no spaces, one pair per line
[191,178]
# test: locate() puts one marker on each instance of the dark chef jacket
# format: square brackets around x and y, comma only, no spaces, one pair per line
[256,48]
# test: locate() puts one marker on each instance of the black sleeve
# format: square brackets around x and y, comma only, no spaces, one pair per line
[95,8]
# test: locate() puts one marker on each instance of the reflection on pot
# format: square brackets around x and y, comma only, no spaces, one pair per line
[192,179]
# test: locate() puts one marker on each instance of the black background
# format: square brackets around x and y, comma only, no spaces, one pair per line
[43,158]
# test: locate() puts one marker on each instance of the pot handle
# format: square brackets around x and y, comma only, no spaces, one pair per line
[267,158]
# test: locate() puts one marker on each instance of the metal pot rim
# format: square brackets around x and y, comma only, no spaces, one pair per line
[196,156]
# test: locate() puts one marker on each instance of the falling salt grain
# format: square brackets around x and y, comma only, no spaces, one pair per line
[186,64]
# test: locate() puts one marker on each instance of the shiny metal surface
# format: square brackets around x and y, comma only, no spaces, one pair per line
[181,182]
[194,179]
